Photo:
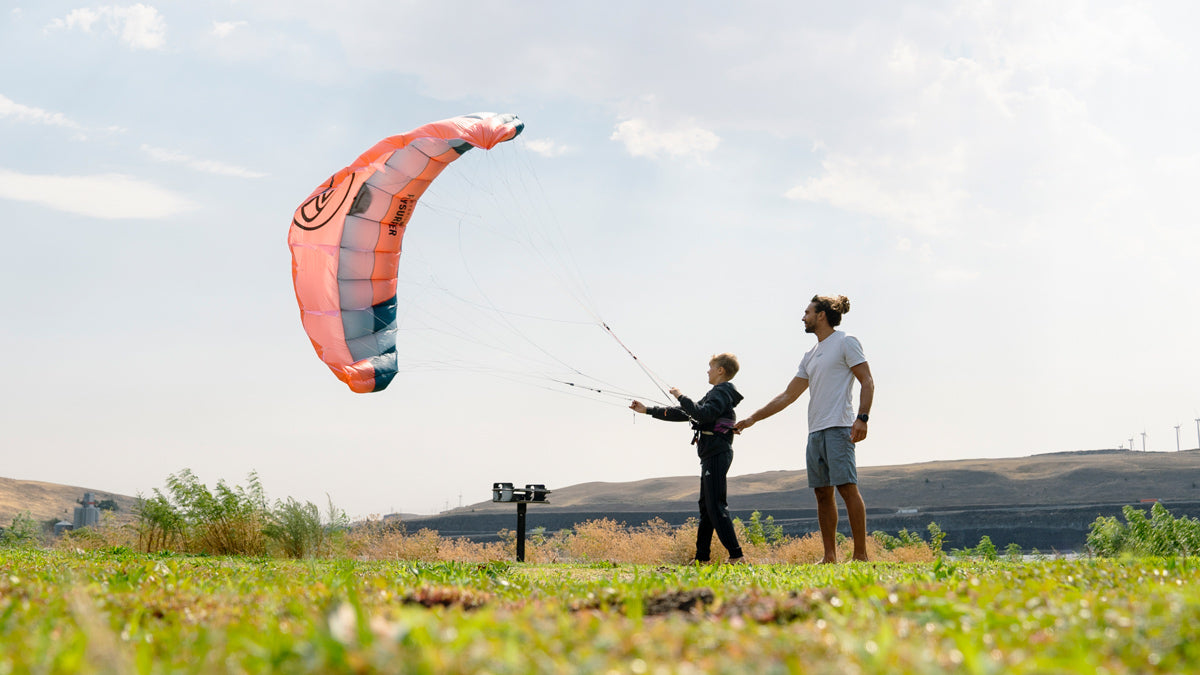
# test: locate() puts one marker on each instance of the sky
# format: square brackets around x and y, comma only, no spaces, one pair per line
[1003,190]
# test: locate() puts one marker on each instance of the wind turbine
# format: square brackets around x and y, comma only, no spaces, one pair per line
[1198,432]
[1131,438]
[1177,437]
[1143,441]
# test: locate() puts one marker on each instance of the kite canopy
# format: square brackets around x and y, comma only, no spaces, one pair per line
[345,242]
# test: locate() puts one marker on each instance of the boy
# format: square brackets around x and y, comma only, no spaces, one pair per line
[712,419]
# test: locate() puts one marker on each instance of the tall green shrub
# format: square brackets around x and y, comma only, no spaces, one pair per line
[1160,534]
[760,531]
[224,521]
[298,531]
[24,532]
[159,525]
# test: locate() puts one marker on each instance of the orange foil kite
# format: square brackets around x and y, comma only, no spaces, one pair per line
[345,241]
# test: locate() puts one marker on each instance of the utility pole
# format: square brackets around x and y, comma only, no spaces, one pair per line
[1143,441]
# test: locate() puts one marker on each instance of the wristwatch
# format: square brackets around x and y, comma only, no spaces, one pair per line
[863,417]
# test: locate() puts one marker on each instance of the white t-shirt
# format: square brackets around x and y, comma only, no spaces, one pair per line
[827,368]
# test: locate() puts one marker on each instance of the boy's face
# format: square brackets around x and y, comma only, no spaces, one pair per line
[716,374]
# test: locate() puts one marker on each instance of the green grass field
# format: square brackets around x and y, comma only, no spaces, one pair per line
[120,612]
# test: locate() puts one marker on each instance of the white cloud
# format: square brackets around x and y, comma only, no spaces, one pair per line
[1008,123]
[108,196]
[640,140]
[547,148]
[922,193]
[137,26]
[223,29]
[205,165]
[76,18]
[30,115]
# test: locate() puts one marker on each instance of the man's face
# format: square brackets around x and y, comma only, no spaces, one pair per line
[810,318]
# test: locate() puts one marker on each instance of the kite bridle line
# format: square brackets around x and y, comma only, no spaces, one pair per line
[658,381]
[569,276]
[555,259]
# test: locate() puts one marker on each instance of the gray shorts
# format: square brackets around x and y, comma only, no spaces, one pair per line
[831,458]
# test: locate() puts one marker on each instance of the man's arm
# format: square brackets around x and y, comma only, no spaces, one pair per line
[796,387]
[866,396]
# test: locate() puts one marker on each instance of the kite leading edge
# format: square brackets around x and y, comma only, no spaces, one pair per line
[345,242]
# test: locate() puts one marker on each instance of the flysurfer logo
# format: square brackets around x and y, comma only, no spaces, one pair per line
[324,206]
[401,213]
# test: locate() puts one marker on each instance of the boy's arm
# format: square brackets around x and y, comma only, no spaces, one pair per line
[659,413]
[667,414]
[715,404]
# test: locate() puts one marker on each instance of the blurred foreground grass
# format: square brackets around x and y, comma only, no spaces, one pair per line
[121,612]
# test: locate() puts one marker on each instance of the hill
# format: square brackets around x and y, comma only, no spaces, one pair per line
[45,501]
[1047,501]
[1082,477]
[1044,501]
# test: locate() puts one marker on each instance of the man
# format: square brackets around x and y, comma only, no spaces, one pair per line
[828,371]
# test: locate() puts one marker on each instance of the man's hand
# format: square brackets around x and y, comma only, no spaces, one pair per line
[638,406]
[858,432]
[743,424]
[675,392]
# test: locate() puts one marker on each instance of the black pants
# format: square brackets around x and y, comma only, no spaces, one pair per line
[714,509]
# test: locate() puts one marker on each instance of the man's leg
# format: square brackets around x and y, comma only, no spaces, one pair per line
[827,518]
[856,513]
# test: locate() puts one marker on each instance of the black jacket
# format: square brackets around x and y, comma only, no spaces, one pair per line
[712,418]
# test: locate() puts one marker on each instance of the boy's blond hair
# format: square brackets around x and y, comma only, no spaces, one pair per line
[727,361]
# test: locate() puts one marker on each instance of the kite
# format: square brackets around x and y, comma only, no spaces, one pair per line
[345,242]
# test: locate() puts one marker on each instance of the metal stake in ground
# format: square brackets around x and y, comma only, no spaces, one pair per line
[505,492]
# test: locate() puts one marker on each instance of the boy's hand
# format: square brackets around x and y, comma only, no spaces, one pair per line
[638,406]
[674,391]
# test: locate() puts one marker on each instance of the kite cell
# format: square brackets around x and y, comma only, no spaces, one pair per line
[345,242]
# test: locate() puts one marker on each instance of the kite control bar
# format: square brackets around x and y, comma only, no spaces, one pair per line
[505,492]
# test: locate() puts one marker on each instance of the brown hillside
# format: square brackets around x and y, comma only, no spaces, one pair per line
[1083,477]
[44,501]
[1086,477]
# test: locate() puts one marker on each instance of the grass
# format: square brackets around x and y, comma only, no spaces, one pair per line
[115,611]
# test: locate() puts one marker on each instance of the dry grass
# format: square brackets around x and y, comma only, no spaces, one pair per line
[111,532]
[604,540]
